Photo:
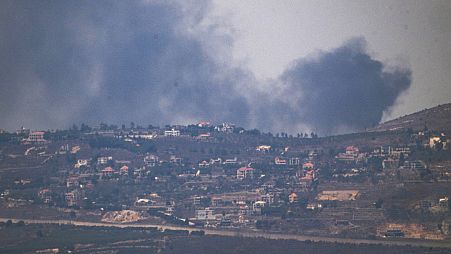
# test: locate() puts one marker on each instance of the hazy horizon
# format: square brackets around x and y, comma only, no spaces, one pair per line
[277,66]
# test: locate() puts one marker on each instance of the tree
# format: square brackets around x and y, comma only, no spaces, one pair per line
[438,145]
[401,160]
[85,128]
[378,203]
[103,126]
[74,127]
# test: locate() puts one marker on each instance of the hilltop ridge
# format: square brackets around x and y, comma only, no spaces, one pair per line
[436,118]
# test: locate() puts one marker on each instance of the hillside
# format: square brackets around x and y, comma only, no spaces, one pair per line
[436,118]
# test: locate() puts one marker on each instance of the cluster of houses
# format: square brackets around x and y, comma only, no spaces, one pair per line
[440,205]
[173,131]
[231,209]
[262,180]
[351,154]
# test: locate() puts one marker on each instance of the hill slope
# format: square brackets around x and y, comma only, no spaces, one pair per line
[436,118]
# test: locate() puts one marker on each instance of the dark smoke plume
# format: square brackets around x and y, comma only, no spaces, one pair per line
[341,91]
[64,62]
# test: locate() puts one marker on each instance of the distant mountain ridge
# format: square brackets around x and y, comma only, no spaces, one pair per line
[436,118]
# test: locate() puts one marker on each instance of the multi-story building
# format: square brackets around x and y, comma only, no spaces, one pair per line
[175,160]
[225,127]
[45,195]
[244,172]
[104,160]
[294,161]
[446,227]
[151,160]
[36,137]
[197,200]
[205,214]
[72,198]
[415,165]
[172,133]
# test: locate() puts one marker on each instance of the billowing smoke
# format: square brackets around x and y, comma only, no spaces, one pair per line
[156,62]
[340,91]
[66,62]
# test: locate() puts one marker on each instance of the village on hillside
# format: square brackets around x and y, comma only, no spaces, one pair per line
[369,185]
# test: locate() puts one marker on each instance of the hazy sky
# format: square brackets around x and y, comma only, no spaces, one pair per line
[323,66]
[270,34]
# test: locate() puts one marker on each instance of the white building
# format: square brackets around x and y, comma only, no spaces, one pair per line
[151,160]
[244,172]
[280,161]
[36,137]
[72,198]
[216,161]
[175,160]
[205,214]
[225,127]
[231,161]
[172,133]
[258,205]
[104,160]
[294,161]
[267,198]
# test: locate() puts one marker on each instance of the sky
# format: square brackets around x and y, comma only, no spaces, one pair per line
[270,34]
[295,66]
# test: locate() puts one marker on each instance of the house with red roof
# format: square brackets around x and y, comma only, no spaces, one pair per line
[108,171]
[124,170]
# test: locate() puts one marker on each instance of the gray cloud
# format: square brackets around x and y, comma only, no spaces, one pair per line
[342,90]
[67,62]
[112,61]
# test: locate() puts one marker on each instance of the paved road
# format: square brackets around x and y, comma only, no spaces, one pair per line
[18,168]
[250,234]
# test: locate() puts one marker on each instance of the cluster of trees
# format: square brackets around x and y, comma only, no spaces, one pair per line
[104,127]
[6,137]
[298,135]
[144,146]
